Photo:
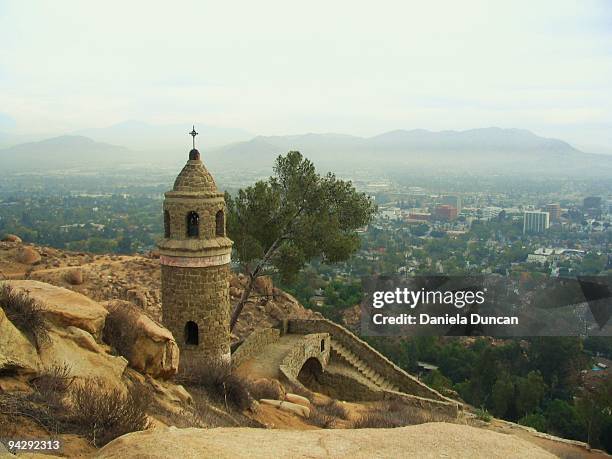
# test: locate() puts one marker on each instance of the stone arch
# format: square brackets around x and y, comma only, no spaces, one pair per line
[310,372]
[193,224]
[191,333]
[166,224]
[220,223]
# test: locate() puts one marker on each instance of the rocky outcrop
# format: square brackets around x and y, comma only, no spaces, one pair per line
[264,286]
[64,307]
[289,407]
[432,440]
[149,347]
[27,256]
[75,277]
[12,238]
[18,356]
[73,327]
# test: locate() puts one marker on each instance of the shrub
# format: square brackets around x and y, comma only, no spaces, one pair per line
[102,414]
[390,414]
[535,420]
[25,313]
[266,388]
[483,415]
[320,418]
[221,386]
[52,385]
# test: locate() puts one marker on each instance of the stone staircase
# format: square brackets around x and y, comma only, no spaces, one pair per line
[346,355]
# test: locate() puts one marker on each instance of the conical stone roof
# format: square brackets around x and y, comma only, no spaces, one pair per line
[195,177]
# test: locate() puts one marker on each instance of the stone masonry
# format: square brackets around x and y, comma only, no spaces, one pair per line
[195,256]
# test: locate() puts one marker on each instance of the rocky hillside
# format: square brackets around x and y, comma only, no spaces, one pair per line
[84,358]
[135,279]
[433,440]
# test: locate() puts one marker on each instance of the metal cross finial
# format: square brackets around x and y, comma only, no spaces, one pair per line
[193,133]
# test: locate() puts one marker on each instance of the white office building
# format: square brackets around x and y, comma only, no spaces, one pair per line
[535,222]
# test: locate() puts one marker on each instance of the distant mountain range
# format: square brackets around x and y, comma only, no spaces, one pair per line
[140,136]
[63,152]
[491,149]
[486,150]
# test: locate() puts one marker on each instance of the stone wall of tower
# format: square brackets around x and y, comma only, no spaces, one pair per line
[200,295]
[178,208]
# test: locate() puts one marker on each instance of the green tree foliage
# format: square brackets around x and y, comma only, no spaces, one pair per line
[502,395]
[529,392]
[296,215]
[564,420]
[535,420]
[559,359]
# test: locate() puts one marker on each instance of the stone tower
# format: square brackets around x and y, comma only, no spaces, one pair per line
[195,255]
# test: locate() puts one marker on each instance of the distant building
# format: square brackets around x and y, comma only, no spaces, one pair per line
[451,200]
[491,212]
[392,213]
[554,212]
[535,222]
[445,212]
[592,206]
[418,217]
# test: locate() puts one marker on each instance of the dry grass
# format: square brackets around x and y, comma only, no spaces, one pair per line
[26,314]
[266,388]
[52,385]
[230,390]
[393,414]
[102,414]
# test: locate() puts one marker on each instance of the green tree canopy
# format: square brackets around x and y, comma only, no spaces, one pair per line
[296,215]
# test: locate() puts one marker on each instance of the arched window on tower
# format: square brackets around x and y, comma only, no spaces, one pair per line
[220,223]
[193,224]
[191,333]
[166,224]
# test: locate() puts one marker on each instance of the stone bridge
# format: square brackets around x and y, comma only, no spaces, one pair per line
[330,359]
[267,354]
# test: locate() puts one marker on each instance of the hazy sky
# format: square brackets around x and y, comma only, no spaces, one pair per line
[280,67]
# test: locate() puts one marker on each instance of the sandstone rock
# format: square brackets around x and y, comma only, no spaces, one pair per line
[12,238]
[18,356]
[431,440]
[64,307]
[76,348]
[75,277]
[297,399]
[264,285]
[137,296]
[294,408]
[237,282]
[28,256]
[272,388]
[149,347]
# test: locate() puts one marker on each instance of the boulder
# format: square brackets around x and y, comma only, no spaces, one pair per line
[268,388]
[18,356]
[28,256]
[263,285]
[12,238]
[288,407]
[237,282]
[431,440]
[297,399]
[148,346]
[75,277]
[137,296]
[64,307]
[85,358]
